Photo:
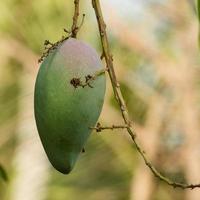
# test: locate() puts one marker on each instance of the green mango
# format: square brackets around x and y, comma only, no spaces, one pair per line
[63,113]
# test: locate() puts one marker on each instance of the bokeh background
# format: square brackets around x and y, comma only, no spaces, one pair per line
[155,49]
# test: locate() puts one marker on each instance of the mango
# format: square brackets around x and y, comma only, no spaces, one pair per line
[64,113]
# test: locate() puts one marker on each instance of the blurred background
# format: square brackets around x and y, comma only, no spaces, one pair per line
[155,49]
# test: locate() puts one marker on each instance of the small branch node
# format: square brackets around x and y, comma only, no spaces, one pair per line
[83,150]
[76,82]
[100,128]
[66,31]
[102,56]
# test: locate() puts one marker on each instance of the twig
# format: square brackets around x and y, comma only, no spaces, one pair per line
[76,82]
[74,28]
[49,46]
[100,128]
[119,98]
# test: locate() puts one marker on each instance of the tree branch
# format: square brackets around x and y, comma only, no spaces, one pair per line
[74,28]
[119,98]
[49,46]
[100,128]
[76,82]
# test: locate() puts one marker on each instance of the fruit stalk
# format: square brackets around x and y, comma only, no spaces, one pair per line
[74,29]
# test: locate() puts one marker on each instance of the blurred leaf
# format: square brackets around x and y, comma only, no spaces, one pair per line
[3,173]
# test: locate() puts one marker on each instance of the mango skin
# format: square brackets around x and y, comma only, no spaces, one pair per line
[63,113]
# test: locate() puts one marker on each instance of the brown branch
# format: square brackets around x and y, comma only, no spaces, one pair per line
[100,128]
[49,46]
[119,98]
[76,82]
[74,29]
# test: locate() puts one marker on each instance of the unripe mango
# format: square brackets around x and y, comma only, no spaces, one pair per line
[63,113]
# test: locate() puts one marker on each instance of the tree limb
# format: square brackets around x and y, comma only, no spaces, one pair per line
[119,98]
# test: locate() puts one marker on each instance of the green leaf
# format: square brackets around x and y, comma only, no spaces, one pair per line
[3,173]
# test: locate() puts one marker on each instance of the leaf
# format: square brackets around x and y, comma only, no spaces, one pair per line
[3,173]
